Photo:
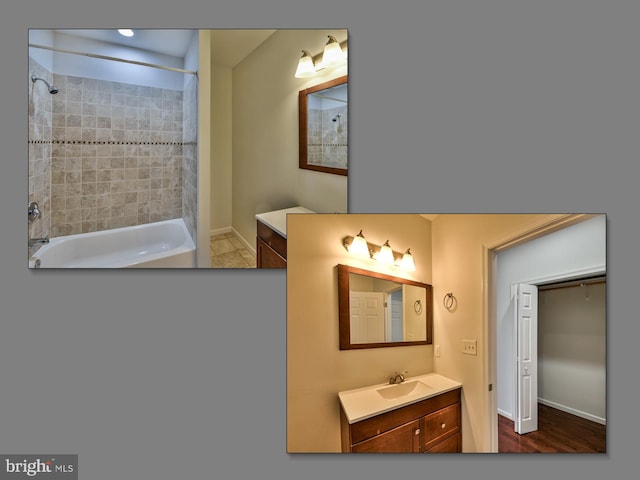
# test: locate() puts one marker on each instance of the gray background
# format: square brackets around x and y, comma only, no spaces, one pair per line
[456,106]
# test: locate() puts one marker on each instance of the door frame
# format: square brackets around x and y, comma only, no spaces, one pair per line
[490,252]
[567,276]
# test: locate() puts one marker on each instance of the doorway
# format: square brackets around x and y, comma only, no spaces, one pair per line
[571,251]
[560,394]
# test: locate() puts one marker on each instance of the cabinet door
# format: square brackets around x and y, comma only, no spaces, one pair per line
[402,439]
[267,257]
[272,238]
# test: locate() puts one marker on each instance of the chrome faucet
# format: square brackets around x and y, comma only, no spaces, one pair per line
[397,378]
[34,211]
[35,241]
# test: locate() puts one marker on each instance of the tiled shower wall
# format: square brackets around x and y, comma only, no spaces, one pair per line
[116,154]
[327,140]
[190,159]
[40,149]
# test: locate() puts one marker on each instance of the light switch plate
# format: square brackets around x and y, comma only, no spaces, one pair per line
[469,347]
[436,350]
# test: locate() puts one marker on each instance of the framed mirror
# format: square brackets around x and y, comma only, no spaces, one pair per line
[379,310]
[322,129]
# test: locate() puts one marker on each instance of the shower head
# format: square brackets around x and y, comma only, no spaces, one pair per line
[52,90]
[336,118]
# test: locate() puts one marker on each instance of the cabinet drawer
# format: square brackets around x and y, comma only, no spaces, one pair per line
[441,424]
[276,241]
[448,445]
[405,438]
[386,421]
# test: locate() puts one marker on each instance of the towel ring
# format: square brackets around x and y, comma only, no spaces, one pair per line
[448,300]
[417,306]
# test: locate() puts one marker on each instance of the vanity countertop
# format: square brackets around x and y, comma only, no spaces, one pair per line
[277,220]
[365,402]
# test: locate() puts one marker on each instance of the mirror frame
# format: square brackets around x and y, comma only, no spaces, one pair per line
[344,308]
[303,129]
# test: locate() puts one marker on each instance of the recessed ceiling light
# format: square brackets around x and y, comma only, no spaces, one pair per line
[127,32]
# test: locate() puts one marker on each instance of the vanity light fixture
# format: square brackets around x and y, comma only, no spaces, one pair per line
[384,254]
[407,262]
[358,246]
[125,32]
[333,55]
[306,68]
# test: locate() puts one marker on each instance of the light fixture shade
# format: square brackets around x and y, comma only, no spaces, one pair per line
[386,254]
[333,54]
[359,246]
[127,32]
[306,67]
[407,262]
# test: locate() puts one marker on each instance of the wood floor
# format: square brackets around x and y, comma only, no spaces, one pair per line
[557,432]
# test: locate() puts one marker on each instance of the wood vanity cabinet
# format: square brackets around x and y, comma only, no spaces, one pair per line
[429,426]
[271,247]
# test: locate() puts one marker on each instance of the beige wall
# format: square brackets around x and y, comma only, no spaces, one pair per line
[459,267]
[316,369]
[265,132]
[221,115]
[204,148]
[450,254]
[572,350]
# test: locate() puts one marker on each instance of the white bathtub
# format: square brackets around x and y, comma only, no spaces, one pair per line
[165,244]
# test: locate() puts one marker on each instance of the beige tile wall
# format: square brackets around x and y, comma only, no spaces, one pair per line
[326,145]
[116,155]
[190,157]
[39,149]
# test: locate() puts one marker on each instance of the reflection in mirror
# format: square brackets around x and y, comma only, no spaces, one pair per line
[323,132]
[378,310]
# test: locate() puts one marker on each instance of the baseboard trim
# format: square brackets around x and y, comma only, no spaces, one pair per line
[220,231]
[505,414]
[573,411]
[249,246]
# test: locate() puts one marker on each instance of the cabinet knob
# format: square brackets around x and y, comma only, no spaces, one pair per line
[443,426]
[417,432]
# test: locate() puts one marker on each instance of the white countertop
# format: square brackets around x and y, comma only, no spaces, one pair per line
[361,403]
[277,220]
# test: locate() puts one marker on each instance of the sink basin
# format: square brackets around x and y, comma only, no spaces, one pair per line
[415,387]
[365,402]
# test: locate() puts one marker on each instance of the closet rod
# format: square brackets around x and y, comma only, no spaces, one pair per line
[115,59]
[574,283]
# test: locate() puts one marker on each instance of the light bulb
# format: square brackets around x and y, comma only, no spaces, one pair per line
[386,254]
[407,262]
[359,246]
[305,66]
[333,54]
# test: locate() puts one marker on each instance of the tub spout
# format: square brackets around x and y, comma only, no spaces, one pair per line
[35,241]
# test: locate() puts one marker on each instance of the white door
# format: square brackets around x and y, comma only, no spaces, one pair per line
[367,317]
[527,359]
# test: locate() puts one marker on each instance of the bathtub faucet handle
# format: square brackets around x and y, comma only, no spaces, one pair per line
[34,211]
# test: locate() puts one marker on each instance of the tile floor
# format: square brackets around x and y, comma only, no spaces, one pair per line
[227,251]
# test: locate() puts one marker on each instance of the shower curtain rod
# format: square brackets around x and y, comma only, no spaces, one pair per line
[115,59]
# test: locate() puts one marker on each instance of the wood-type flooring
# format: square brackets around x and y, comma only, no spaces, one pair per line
[558,432]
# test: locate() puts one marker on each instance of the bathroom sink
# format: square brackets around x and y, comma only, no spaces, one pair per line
[415,387]
[365,402]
